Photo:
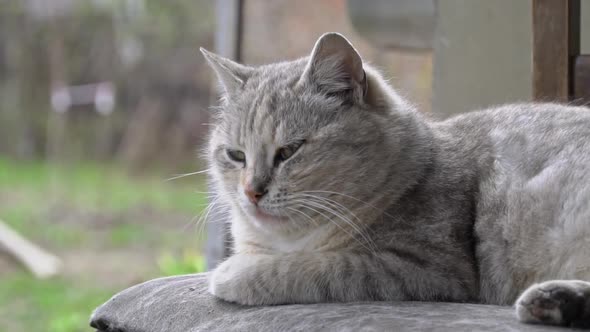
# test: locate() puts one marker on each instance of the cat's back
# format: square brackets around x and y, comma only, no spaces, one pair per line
[533,164]
[547,120]
[522,138]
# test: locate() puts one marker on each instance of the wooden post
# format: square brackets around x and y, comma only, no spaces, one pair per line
[227,44]
[556,43]
[582,80]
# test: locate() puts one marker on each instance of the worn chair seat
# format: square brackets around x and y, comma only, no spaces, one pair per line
[182,304]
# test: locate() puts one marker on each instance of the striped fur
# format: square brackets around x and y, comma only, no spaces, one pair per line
[381,203]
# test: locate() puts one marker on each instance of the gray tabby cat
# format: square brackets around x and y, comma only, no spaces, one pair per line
[339,190]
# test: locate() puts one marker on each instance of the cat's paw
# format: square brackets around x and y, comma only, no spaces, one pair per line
[557,302]
[239,279]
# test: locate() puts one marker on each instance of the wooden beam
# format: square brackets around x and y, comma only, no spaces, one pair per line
[582,80]
[40,262]
[556,43]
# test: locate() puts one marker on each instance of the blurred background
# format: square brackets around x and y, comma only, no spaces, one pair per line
[104,107]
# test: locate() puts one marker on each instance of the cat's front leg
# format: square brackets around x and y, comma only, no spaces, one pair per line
[260,279]
[240,279]
[256,279]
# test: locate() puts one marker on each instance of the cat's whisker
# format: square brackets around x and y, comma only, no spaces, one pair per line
[195,220]
[202,223]
[304,214]
[216,202]
[335,204]
[340,207]
[354,226]
[309,205]
[204,216]
[206,204]
[178,176]
[347,196]
[216,209]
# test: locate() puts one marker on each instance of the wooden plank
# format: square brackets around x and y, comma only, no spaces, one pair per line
[228,40]
[40,262]
[582,80]
[556,41]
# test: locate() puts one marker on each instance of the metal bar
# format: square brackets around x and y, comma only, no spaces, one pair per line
[228,39]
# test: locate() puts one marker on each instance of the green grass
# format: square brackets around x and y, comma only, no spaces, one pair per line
[93,208]
[54,305]
[34,189]
[189,262]
[100,186]
[125,234]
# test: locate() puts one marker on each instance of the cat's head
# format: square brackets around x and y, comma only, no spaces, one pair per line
[298,144]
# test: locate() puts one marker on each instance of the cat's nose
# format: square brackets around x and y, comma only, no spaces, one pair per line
[254,193]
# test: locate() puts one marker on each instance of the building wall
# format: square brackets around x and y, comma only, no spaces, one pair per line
[284,29]
[481,57]
[482,53]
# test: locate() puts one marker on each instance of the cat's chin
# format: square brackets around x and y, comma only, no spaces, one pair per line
[263,217]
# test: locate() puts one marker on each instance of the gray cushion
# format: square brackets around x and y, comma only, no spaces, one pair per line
[183,304]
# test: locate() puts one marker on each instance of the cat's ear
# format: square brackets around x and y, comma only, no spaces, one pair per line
[231,75]
[336,67]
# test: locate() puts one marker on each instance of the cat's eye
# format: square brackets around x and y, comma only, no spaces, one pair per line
[287,152]
[236,155]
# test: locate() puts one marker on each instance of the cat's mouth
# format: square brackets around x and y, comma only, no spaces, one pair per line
[262,215]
